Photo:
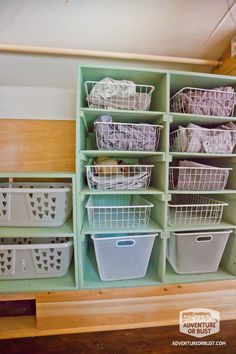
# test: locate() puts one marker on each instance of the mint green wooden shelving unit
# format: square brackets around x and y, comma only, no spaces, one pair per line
[166,83]
[83,273]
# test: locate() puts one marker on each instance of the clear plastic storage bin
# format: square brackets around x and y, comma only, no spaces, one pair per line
[117,94]
[123,256]
[115,177]
[198,178]
[28,258]
[118,211]
[213,102]
[35,204]
[196,252]
[127,136]
[194,210]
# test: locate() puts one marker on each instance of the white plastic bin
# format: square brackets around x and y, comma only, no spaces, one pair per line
[127,136]
[118,211]
[35,204]
[196,252]
[194,210]
[123,256]
[29,258]
[118,177]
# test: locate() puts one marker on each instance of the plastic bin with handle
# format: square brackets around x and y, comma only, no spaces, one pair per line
[196,252]
[123,256]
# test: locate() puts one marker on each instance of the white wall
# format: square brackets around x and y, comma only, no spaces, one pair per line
[165,27]
[44,87]
[37,102]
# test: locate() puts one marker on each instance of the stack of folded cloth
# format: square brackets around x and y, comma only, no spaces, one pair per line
[200,177]
[215,102]
[131,137]
[194,138]
[118,94]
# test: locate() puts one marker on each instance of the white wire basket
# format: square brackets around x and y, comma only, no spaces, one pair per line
[118,95]
[198,178]
[215,102]
[35,204]
[28,257]
[215,141]
[194,210]
[115,177]
[127,137]
[118,211]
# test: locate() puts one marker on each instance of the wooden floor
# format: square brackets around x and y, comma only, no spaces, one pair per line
[140,341]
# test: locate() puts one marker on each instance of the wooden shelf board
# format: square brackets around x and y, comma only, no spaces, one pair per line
[65,230]
[174,278]
[225,191]
[150,190]
[122,112]
[45,284]
[199,155]
[221,226]
[199,119]
[111,153]
[37,174]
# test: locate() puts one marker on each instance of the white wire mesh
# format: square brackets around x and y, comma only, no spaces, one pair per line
[203,140]
[198,178]
[127,137]
[118,95]
[118,255]
[102,177]
[118,211]
[216,102]
[194,210]
[196,252]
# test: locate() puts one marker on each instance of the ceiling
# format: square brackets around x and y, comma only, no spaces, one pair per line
[164,27]
[170,27]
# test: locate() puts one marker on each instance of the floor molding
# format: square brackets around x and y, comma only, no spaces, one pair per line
[116,309]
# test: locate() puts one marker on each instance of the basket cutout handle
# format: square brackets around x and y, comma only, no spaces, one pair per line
[204,238]
[125,243]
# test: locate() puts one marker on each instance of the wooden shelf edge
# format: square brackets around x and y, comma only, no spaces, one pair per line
[116,309]
[17,296]
[33,332]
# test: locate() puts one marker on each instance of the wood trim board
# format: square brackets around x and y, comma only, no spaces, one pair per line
[70,52]
[228,66]
[37,145]
[114,309]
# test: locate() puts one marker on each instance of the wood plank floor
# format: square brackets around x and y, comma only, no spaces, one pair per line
[139,341]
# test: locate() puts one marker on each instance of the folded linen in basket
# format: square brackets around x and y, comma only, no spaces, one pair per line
[124,136]
[118,94]
[204,177]
[138,180]
[199,139]
[216,102]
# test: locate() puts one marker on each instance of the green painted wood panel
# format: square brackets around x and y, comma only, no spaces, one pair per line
[167,83]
